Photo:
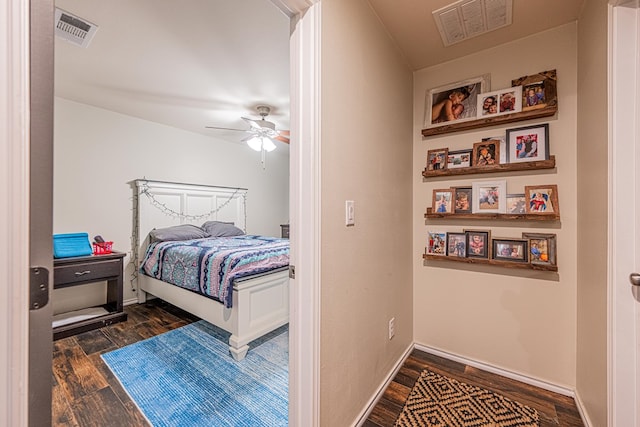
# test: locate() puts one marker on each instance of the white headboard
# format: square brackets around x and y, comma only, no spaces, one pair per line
[162,204]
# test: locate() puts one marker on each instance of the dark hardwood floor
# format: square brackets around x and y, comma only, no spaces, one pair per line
[554,409]
[85,392]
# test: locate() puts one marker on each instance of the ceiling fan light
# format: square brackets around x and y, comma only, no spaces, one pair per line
[255,143]
[268,144]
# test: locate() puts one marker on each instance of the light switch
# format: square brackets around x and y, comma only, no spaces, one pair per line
[350,212]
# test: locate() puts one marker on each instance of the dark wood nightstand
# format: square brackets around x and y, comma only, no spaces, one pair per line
[82,270]
[284,228]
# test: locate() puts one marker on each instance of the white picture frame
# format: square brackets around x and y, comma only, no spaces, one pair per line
[489,196]
[499,102]
[436,98]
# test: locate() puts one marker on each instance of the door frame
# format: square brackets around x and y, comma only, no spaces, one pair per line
[14,214]
[624,207]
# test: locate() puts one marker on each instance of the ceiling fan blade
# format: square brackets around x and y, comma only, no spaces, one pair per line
[216,127]
[282,138]
[252,123]
[284,132]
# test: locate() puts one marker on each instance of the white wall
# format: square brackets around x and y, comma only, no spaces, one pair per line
[366,157]
[518,320]
[98,153]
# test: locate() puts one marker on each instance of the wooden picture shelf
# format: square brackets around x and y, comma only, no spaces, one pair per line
[493,121]
[483,261]
[494,216]
[507,167]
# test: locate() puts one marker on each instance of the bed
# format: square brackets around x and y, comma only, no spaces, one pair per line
[254,305]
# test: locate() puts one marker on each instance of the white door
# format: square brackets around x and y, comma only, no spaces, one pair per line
[624,389]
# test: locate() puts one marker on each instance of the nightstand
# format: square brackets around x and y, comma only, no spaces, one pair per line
[75,271]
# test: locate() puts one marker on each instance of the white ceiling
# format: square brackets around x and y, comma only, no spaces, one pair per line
[196,63]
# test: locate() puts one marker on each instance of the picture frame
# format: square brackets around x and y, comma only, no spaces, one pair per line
[437,159]
[459,159]
[528,144]
[516,204]
[486,153]
[478,243]
[499,102]
[542,248]
[538,90]
[436,243]
[489,196]
[513,250]
[463,200]
[503,146]
[457,245]
[441,101]
[542,199]
[443,201]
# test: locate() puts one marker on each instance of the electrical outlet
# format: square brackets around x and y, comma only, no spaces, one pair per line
[392,327]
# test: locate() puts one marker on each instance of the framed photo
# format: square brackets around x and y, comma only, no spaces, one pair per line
[516,204]
[510,250]
[500,102]
[443,201]
[437,159]
[528,143]
[489,196]
[459,159]
[457,245]
[436,243]
[486,153]
[542,248]
[538,90]
[463,198]
[455,101]
[478,243]
[503,147]
[542,199]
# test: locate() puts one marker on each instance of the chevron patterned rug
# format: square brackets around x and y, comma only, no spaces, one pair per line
[438,401]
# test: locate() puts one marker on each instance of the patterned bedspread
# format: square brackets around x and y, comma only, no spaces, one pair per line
[209,266]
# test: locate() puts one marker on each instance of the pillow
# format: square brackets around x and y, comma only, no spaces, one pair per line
[221,229]
[177,232]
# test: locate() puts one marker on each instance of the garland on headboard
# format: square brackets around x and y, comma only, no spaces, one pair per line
[143,188]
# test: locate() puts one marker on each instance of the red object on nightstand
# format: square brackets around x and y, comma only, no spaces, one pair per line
[102,248]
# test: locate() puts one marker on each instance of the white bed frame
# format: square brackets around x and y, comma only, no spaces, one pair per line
[260,303]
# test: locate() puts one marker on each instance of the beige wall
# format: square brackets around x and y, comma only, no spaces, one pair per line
[591,360]
[518,320]
[97,153]
[366,157]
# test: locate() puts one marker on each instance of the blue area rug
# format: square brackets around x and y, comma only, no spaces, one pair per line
[186,377]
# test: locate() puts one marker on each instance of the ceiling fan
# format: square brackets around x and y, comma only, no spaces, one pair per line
[261,132]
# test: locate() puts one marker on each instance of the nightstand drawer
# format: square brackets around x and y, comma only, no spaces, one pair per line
[65,275]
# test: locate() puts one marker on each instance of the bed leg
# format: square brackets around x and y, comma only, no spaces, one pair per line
[239,353]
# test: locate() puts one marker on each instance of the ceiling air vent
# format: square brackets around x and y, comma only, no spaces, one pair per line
[74,29]
[470,18]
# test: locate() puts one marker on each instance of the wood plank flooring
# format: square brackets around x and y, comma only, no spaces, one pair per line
[85,392]
[554,409]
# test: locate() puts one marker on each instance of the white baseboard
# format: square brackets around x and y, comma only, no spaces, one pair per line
[360,419]
[499,371]
[130,301]
[582,410]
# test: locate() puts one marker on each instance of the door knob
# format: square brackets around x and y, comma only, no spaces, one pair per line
[634,278]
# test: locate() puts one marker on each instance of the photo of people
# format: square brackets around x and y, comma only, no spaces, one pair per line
[443,201]
[456,245]
[500,102]
[436,243]
[478,244]
[542,199]
[463,200]
[489,197]
[527,146]
[459,159]
[489,105]
[516,203]
[454,102]
[510,250]
[533,96]
[508,102]
[437,159]
[486,153]
[542,248]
